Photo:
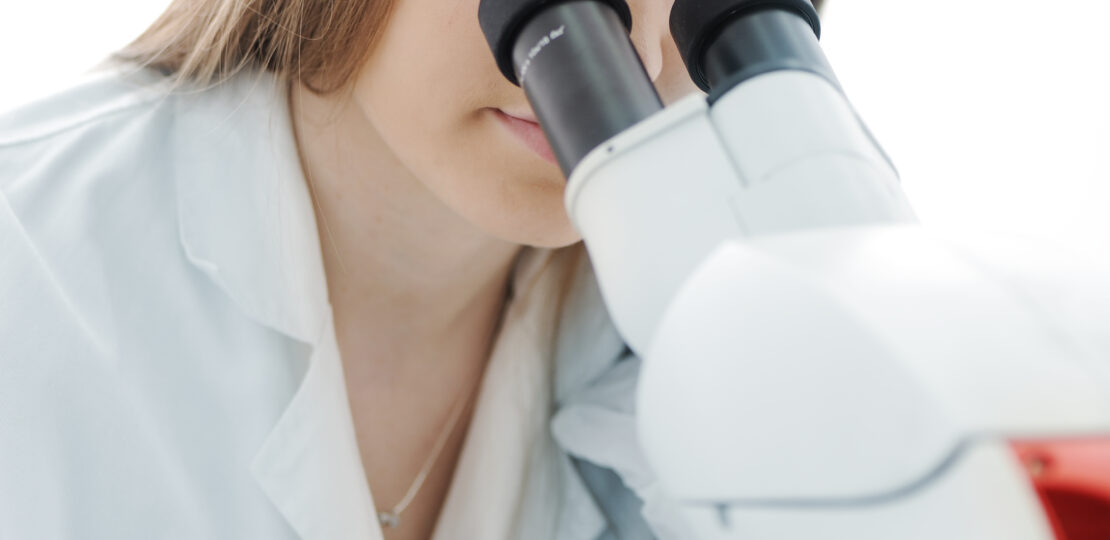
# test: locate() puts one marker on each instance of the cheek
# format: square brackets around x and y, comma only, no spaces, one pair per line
[427,89]
[425,67]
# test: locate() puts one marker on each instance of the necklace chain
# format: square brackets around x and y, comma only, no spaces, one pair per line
[392,518]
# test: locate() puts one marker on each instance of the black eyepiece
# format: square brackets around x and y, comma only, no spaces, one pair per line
[503,20]
[577,66]
[718,38]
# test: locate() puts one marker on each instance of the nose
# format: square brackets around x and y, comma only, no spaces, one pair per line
[651,32]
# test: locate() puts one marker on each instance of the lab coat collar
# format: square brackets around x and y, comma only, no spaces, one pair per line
[244,209]
[247,221]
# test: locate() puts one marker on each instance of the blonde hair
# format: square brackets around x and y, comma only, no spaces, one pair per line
[320,43]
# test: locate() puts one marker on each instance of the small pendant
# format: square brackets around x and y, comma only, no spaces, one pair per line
[389,519]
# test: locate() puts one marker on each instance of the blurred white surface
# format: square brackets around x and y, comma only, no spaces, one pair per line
[997,115]
[45,44]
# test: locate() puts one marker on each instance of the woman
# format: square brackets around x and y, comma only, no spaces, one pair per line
[301,269]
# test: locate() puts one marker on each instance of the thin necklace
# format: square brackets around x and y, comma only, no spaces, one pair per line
[392,518]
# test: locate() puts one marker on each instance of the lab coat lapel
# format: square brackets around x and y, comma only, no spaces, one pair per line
[246,220]
[310,465]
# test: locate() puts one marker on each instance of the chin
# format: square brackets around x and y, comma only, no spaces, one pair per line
[509,191]
[542,231]
[556,240]
[533,214]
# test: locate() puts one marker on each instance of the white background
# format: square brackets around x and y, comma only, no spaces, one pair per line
[996,113]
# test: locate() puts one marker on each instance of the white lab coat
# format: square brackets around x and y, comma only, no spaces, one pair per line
[168,365]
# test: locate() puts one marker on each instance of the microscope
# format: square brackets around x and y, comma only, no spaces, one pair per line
[816,362]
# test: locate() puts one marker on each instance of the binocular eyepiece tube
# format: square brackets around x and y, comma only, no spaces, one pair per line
[586,83]
[577,66]
[726,42]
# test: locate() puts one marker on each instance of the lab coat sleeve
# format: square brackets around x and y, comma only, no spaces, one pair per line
[598,425]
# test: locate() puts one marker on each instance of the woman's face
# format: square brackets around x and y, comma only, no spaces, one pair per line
[433,91]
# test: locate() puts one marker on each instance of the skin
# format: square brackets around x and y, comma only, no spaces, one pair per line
[423,200]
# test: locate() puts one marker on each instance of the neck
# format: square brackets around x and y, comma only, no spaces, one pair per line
[398,261]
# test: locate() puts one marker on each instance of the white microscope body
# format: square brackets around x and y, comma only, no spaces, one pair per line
[816,363]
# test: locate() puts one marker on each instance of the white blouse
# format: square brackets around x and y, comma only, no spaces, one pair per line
[168,364]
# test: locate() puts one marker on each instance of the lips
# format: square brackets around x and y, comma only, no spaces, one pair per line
[528,133]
